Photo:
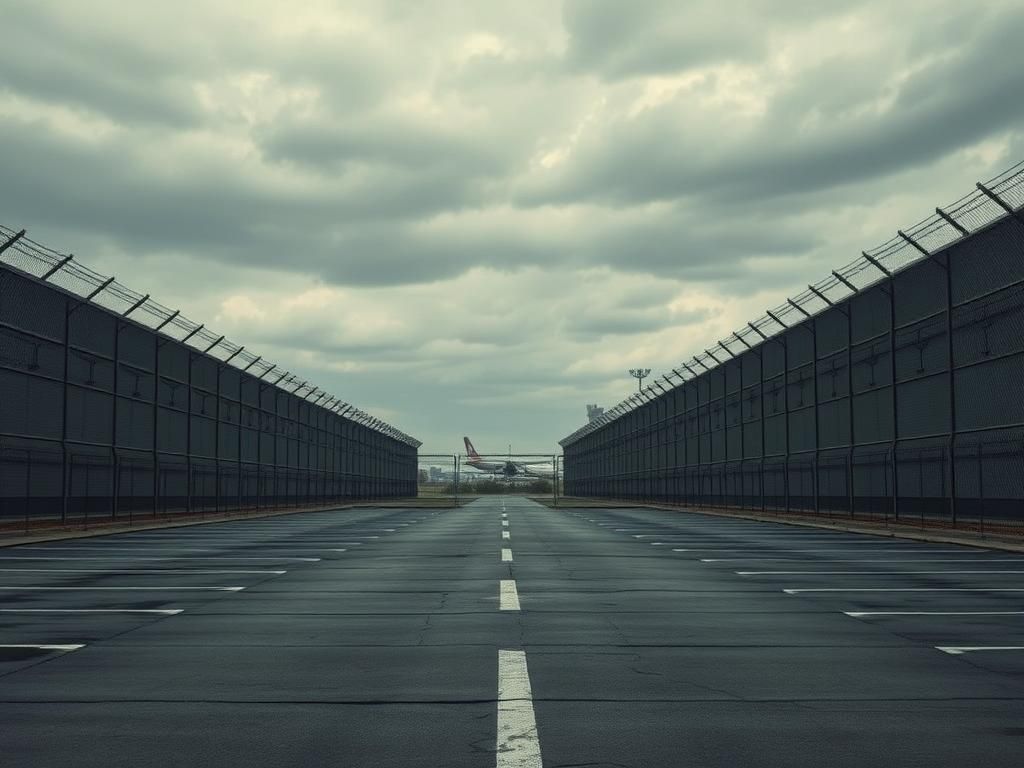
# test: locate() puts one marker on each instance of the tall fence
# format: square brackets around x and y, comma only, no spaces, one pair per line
[892,390]
[112,406]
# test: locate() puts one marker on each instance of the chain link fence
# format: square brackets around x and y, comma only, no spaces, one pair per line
[113,406]
[890,390]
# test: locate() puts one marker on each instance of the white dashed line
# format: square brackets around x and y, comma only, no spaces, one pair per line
[957,650]
[505,535]
[506,555]
[508,595]
[518,745]
[504,523]
[46,647]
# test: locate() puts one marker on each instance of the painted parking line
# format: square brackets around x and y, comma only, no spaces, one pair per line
[508,595]
[165,558]
[506,555]
[957,650]
[141,572]
[750,550]
[517,743]
[902,589]
[869,573]
[862,614]
[156,611]
[90,589]
[909,561]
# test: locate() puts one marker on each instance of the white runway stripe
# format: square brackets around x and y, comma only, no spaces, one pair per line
[517,744]
[508,595]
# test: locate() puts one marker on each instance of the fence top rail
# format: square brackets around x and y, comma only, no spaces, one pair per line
[66,272]
[971,213]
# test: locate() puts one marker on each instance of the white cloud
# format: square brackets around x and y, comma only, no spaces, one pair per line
[474,217]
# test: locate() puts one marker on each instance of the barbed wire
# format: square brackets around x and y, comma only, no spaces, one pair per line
[991,200]
[67,272]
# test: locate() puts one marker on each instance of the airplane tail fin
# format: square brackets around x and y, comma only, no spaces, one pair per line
[470,449]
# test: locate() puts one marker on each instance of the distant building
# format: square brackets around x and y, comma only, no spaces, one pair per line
[594,412]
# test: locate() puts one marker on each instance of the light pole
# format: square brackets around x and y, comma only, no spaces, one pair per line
[640,374]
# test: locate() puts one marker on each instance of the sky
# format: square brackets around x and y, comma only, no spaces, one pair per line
[472,218]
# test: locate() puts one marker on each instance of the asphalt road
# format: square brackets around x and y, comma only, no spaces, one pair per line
[508,634]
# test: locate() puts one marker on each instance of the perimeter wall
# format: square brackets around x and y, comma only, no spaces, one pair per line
[903,400]
[102,416]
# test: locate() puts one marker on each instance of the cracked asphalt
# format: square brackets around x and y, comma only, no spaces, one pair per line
[371,637]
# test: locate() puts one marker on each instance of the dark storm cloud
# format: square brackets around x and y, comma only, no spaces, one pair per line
[506,204]
[652,37]
[950,101]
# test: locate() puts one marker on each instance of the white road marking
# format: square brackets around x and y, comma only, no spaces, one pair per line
[504,523]
[748,550]
[90,589]
[47,647]
[908,561]
[518,745]
[136,571]
[508,595]
[862,573]
[861,614]
[159,611]
[339,550]
[149,559]
[504,514]
[902,589]
[506,555]
[956,650]
[505,535]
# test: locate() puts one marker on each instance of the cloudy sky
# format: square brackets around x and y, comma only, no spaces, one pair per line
[473,217]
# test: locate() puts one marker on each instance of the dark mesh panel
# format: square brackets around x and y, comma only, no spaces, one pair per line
[137,347]
[31,307]
[920,291]
[30,406]
[872,416]
[90,416]
[922,348]
[987,261]
[800,343]
[830,326]
[31,353]
[989,394]
[923,406]
[834,423]
[869,313]
[134,424]
[92,330]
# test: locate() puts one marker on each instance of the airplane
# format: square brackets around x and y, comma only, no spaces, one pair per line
[505,467]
